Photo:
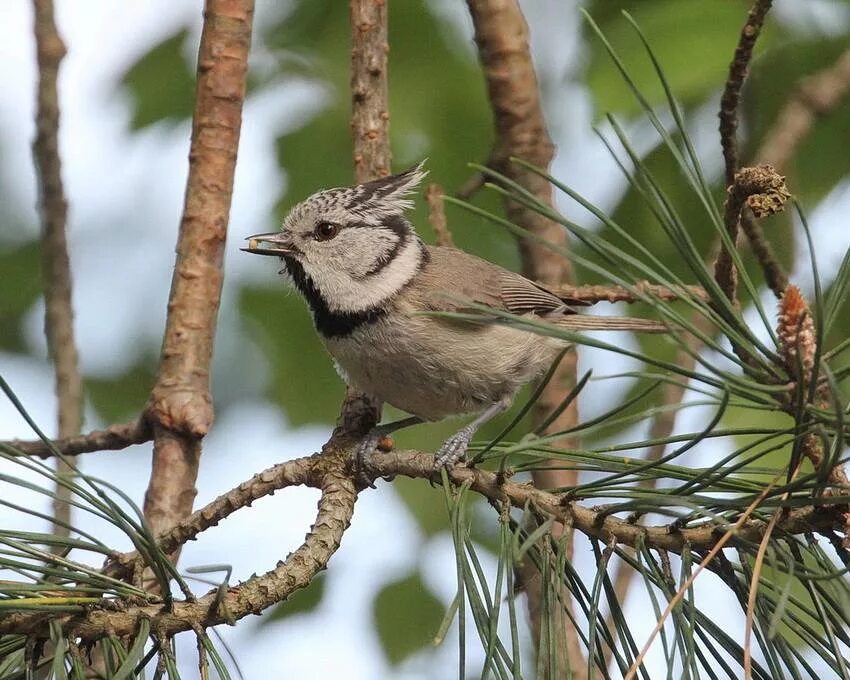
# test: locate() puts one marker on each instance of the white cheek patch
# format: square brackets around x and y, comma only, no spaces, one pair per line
[343,291]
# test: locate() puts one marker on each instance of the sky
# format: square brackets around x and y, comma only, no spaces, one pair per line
[108,170]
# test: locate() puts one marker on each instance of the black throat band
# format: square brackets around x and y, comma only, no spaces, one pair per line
[330,324]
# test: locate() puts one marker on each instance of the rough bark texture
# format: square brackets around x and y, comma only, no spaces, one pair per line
[724,269]
[370,133]
[501,34]
[56,266]
[180,408]
[329,472]
[370,119]
[113,438]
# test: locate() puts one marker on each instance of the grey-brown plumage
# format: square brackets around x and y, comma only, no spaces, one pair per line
[373,287]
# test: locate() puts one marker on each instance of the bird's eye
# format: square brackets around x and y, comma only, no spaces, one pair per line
[325,231]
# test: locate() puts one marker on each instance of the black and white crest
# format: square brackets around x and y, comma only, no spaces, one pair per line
[350,250]
[371,201]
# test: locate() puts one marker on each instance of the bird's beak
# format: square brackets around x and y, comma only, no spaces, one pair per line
[277,243]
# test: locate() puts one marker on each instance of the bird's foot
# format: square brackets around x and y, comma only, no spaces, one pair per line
[454,448]
[377,439]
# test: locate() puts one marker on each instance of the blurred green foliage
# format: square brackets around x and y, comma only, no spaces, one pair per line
[161,84]
[438,110]
[693,41]
[407,615]
[21,268]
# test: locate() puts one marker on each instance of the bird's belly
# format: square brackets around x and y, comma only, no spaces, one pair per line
[435,369]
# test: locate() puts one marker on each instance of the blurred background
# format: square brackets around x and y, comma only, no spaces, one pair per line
[126,91]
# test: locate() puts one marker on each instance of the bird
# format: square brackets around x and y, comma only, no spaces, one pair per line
[382,303]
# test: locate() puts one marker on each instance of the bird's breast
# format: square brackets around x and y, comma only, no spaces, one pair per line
[434,368]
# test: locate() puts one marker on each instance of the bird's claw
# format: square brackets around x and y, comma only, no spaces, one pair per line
[377,439]
[453,449]
[365,449]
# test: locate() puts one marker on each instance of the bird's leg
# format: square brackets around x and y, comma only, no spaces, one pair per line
[454,448]
[376,434]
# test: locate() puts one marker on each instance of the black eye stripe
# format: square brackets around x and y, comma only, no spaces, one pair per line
[395,223]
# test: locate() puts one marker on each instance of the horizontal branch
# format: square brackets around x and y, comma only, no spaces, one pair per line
[606,293]
[113,438]
[593,522]
[331,472]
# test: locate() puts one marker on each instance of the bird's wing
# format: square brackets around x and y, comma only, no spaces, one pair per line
[452,278]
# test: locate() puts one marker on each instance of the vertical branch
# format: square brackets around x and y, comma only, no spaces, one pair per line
[501,34]
[437,215]
[59,315]
[180,407]
[370,118]
[370,133]
[724,269]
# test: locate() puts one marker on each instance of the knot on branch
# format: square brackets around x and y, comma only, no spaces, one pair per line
[796,333]
[761,188]
[182,410]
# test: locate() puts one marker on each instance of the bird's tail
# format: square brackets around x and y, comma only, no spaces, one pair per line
[586,322]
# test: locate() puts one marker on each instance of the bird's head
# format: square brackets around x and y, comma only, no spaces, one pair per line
[352,246]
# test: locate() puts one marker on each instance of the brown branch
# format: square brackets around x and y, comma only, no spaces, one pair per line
[471,186]
[370,133]
[774,273]
[297,472]
[335,510]
[731,97]
[330,472]
[501,34]
[180,407]
[763,191]
[370,118]
[56,266]
[113,438]
[437,215]
[604,293]
[724,268]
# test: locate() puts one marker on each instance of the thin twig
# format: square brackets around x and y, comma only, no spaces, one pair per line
[471,186]
[729,101]
[763,191]
[605,293]
[180,407]
[113,438]
[58,312]
[502,37]
[774,272]
[437,215]
[731,97]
